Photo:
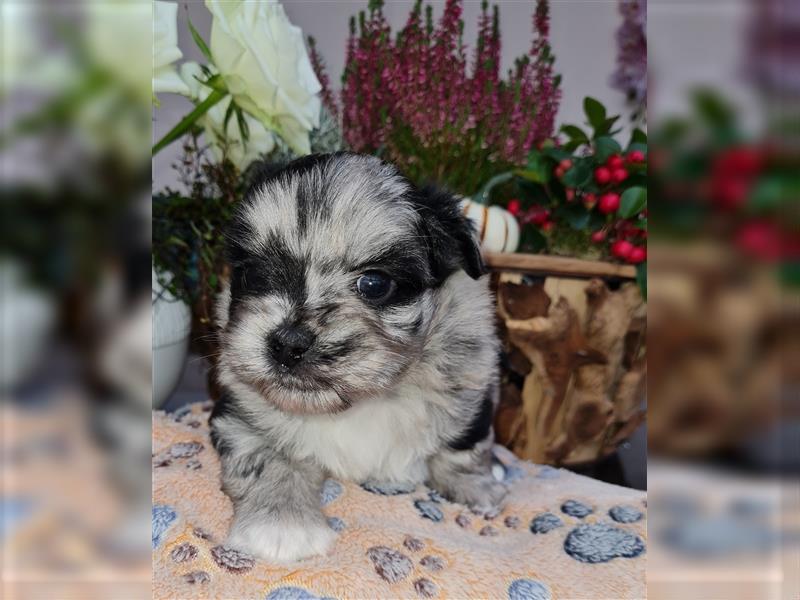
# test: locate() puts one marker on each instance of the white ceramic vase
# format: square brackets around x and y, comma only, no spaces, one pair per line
[172,324]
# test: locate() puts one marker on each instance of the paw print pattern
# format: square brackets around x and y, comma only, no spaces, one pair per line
[625,514]
[425,588]
[489,531]
[429,510]
[331,490]
[511,522]
[463,521]
[232,560]
[573,508]
[432,563]
[336,524]
[183,553]
[528,589]
[388,488]
[413,544]
[390,565]
[163,517]
[197,577]
[599,542]
[545,522]
[293,593]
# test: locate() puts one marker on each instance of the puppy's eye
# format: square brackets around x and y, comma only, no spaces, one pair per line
[375,286]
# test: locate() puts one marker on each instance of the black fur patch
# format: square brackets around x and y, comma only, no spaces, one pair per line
[478,429]
[223,406]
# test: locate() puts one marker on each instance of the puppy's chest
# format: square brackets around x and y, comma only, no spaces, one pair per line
[385,439]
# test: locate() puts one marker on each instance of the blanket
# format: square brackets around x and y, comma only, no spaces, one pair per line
[559,536]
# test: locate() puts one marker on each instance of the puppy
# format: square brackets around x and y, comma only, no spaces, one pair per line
[357,341]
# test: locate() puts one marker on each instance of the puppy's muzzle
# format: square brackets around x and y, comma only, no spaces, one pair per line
[289,344]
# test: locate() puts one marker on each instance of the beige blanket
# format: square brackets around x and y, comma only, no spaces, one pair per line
[560,535]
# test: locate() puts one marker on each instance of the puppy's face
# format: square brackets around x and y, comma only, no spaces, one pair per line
[335,265]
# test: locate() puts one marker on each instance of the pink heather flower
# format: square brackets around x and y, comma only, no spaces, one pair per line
[418,100]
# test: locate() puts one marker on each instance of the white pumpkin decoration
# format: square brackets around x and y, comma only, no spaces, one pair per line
[498,229]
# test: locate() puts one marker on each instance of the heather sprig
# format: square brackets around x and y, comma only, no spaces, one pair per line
[441,113]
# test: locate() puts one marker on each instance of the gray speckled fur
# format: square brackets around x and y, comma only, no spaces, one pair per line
[414,382]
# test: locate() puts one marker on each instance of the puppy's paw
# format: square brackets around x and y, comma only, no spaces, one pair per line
[282,542]
[483,494]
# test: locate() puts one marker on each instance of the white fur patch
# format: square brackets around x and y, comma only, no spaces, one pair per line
[282,542]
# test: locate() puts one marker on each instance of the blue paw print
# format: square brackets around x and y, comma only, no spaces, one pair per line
[293,593]
[331,490]
[336,524]
[573,508]
[625,514]
[163,517]
[528,589]
[429,510]
[545,523]
[601,543]
[388,488]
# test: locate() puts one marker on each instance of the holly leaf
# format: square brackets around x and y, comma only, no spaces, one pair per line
[604,147]
[638,137]
[633,201]
[595,112]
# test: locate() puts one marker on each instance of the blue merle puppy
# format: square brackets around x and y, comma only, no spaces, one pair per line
[356,341]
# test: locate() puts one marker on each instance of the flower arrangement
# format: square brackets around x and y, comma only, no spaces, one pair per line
[256,97]
[582,195]
[419,101]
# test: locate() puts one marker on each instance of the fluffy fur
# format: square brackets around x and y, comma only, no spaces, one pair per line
[397,391]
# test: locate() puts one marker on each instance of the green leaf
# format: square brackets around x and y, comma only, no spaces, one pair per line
[200,42]
[605,127]
[579,175]
[557,154]
[633,201]
[186,123]
[575,214]
[575,133]
[595,112]
[638,146]
[244,129]
[638,137]
[531,240]
[228,115]
[604,147]
[641,279]
[538,169]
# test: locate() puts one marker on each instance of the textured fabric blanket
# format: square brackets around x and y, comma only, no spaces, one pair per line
[560,535]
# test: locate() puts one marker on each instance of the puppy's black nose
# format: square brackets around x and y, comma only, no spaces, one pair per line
[288,344]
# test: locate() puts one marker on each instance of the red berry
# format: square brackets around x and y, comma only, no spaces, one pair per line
[619,175]
[536,215]
[560,171]
[609,203]
[548,225]
[589,200]
[636,255]
[514,206]
[602,175]
[565,164]
[570,194]
[615,162]
[599,236]
[621,249]
[635,156]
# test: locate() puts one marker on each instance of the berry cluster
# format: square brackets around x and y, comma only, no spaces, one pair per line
[623,239]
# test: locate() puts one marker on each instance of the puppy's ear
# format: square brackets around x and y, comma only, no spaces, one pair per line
[452,240]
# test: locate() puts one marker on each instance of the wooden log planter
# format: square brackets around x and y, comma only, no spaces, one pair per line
[573,373]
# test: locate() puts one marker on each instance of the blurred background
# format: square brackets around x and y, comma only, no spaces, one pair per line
[75,281]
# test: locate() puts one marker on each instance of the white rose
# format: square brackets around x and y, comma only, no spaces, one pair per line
[165,50]
[227,142]
[263,60]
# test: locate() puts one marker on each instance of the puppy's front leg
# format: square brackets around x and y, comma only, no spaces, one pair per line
[465,476]
[276,503]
